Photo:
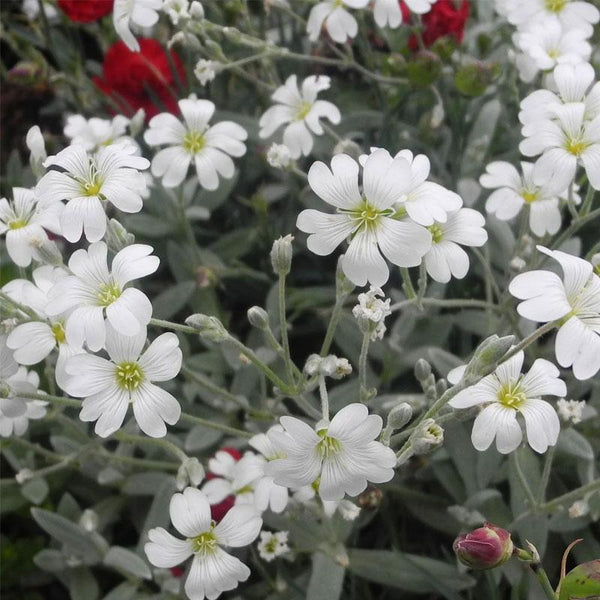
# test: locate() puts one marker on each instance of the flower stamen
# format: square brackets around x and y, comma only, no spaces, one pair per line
[129,376]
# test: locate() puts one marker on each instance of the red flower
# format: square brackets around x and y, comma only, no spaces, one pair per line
[86,11]
[135,79]
[218,511]
[446,17]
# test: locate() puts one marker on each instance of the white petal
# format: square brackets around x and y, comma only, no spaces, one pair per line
[162,360]
[363,262]
[165,550]
[152,407]
[544,296]
[543,379]
[541,423]
[214,573]
[190,512]
[338,187]
[239,527]
[328,231]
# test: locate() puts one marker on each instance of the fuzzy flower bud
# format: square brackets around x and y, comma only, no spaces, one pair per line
[196,10]
[46,251]
[117,237]
[190,473]
[281,255]
[487,355]
[89,519]
[429,435]
[422,370]
[399,416]
[279,156]
[23,476]
[349,147]
[484,548]
[37,148]
[208,327]
[258,317]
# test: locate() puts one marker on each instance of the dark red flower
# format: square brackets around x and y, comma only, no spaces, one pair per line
[446,17]
[86,11]
[141,79]
[218,511]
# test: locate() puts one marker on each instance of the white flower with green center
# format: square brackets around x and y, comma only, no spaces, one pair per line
[564,142]
[366,217]
[507,393]
[299,109]
[514,191]
[92,291]
[23,221]
[213,570]
[94,133]
[109,386]
[272,545]
[87,183]
[194,141]
[342,455]
[32,342]
[446,258]
[332,15]
[570,14]
[573,302]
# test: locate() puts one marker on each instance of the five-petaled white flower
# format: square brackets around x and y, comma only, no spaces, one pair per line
[206,70]
[94,133]
[574,302]
[142,13]
[272,545]
[507,392]
[514,191]
[447,259]
[213,570]
[210,148]
[369,217]
[340,24]
[301,109]
[23,221]
[342,455]
[109,386]
[93,291]
[87,182]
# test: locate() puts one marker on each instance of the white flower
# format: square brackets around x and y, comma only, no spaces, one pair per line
[548,44]
[34,140]
[514,191]
[446,258]
[372,311]
[571,14]
[420,6]
[279,156]
[267,494]
[112,175]
[23,220]
[573,84]
[340,24]
[570,410]
[580,508]
[93,133]
[563,143]
[139,12]
[328,366]
[573,301]
[238,478]
[367,217]
[301,109]
[93,291]
[307,495]
[205,70]
[424,201]
[272,545]
[213,570]
[15,421]
[34,341]
[109,386]
[388,12]
[342,454]
[177,10]
[506,393]
[209,148]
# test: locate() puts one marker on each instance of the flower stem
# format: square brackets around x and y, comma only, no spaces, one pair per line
[333,321]
[523,480]
[211,387]
[283,330]
[546,474]
[408,287]
[362,366]
[544,582]
[571,203]
[162,443]
[447,303]
[324,398]
[173,326]
[539,332]
[24,309]
[218,426]
[52,399]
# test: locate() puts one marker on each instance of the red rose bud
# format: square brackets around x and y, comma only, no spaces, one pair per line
[484,548]
[86,11]
[141,79]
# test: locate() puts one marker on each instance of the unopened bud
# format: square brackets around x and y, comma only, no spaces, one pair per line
[258,317]
[191,472]
[348,510]
[117,237]
[208,327]
[349,147]
[441,386]
[370,498]
[429,435]
[89,520]
[46,251]
[484,548]
[281,255]
[399,416]
[23,476]
[37,148]
[137,122]
[422,369]
[196,10]
[487,356]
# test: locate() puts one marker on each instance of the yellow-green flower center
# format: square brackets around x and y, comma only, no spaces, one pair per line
[58,331]
[193,142]
[91,187]
[328,446]
[366,215]
[129,375]
[271,545]
[511,396]
[554,53]
[529,196]
[17,224]
[303,111]
[555,5]
[108,293]
[205,543]
[576,145]
[437,233]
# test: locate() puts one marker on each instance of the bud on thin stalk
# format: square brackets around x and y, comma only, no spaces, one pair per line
[484,548]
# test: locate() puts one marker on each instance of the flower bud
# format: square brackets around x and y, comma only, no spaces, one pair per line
[399,416]
[191,472]
[137,122]
[422,370]
[23,476]
[117,237]
[281,255]
[429,435]
[37,149]
[89,520]
[487,355]
[196,10]
[208,327]
[370,498]
[46,251]
[349,147]
[484,548]
[258,317]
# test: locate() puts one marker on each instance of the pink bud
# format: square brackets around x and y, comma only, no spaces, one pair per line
[484,548]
